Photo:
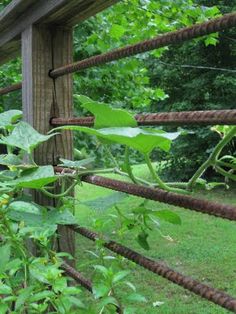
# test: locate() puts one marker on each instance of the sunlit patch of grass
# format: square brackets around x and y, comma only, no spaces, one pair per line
[203,247]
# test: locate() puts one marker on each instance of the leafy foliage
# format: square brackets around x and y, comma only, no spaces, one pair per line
[148,82]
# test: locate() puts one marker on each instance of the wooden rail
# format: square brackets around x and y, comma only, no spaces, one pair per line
[20,14]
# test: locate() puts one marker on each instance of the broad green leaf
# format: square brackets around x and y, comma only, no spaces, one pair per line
[3,308]
[36,178]
[24,294]
[141,210]
[105,202]
[167,215]
[117,31]
[136,297]
[7,175]
[25,137]
[102,269]
[77,163]
[120,275]
[108,300]
[143,140]
[14,265]
[41,296]
[100,290]
[14,162]
[4,289]
[30,213]
[106,116]
[130,285]
[10,160]
[223,130]
[5,254]
[142,240]
[73,300]
[35,215]
[7,118]
[65,217]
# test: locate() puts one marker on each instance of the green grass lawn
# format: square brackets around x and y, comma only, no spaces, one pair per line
[204,248]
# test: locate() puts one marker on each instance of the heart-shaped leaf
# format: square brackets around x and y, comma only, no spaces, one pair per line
[9,117]
[143,140]
[25,137]
[36,178]
[106,116]
[10,160]
[38,216]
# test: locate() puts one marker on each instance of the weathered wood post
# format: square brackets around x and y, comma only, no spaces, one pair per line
[43,49]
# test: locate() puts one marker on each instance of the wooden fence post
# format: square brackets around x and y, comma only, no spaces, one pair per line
[43,49]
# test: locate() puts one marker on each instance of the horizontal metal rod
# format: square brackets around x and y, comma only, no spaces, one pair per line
[77,276]
[214,295]
[175,37]
[10,88]
[210,117]
[84,282]
[185,201]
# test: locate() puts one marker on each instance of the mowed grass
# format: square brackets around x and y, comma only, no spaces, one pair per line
[204,248]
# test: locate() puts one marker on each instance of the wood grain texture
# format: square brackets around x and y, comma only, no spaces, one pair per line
[42,49]
[10,51]
[20,14]
[62,46]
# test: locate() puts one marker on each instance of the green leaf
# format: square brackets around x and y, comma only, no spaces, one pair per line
[78,303]
[41,296]
[7,118]
[65,217]
[3,308]
[144,140]
[14,265]
[5,254]
[136,297]
[142,240]
[117,31]
[30,213]
[36,178]
[100,290]
[77,163]
[10,160]
[108,300]
[101,269]
[210,40]
[130,285]
[25,137]
[160,94]
[4,289]
[106,116]
[35,215]
[167,215]
[105,202]
[120,275]
[24,294]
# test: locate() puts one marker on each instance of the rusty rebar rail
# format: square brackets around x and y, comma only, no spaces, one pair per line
[84,282]
[184,34]
[185,201]
[214,295]
[77,276]
[10,88]
[210,117]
